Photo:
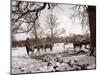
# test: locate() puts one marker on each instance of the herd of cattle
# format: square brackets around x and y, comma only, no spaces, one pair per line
[38,47]
[30,48]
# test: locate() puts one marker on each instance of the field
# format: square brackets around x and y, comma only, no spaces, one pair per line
[62,58]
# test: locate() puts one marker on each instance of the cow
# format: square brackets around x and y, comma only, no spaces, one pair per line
[48,46]
[38,47]
[31,48]
[85,43]
[77,44]
[28,46]
[43,46]
[80,44]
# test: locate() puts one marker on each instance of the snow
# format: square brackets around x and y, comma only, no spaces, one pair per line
[56,60]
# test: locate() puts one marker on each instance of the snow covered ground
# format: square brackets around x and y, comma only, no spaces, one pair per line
[60,59]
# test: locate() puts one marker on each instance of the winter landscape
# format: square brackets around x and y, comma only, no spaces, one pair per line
[55,61]
[52,37]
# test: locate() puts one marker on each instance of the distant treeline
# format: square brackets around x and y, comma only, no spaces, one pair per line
[67,39]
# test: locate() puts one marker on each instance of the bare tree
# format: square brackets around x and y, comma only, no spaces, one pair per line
[87,16]
[52,25]
[26,12]
[92,25]
[37,31]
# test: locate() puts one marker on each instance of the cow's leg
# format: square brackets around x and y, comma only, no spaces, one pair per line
[39,50]
[27,49]
[45,49]
[81,45]
[74,47]
[51,48]
[32,51]
[42,48]
[85,46]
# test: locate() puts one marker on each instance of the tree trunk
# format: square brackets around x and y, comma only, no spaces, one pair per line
[92,25]
[36,39]
[52,36]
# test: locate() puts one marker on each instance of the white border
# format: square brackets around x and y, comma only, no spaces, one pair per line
[5,37]
[86,2]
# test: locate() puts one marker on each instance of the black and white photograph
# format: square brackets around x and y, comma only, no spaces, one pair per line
[52,37]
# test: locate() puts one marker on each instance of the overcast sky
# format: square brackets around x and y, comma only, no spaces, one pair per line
[63,13]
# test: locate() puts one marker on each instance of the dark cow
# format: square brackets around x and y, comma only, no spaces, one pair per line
[48,46]
[38,47]
[27,44]
[80,44]
[28,49]
[77,44]
[31,48]
[85,43]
